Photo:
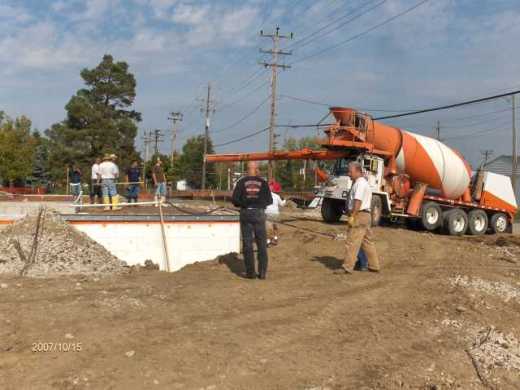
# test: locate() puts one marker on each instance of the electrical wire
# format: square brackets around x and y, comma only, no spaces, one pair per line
[304,100]
[359,35]
[449,106]
[306,40]
[248,115]
[241,99]
[243,138]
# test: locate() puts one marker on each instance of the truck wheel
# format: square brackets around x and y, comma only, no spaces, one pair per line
[332,209]
[455,222]
[376,210]
[477,222]
[498,223]
[431,216]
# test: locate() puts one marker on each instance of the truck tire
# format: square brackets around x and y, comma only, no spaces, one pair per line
[376,210]
[431,216]
[455,222]
[332,209]
[498,223]
[477,222]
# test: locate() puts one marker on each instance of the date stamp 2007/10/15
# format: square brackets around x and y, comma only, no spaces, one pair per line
[56,347]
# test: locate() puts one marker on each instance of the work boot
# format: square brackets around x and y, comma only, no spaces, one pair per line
[106,202]
[343,271]
[115,202]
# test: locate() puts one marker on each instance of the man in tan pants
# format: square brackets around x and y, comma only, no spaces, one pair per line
[359,233]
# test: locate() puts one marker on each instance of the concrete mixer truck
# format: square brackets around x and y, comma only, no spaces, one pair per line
[413,177]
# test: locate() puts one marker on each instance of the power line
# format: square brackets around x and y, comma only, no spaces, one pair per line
[249,114]
[241,99]
[305,100]
[315,35]
[359,35]
[244,137]
[449,106]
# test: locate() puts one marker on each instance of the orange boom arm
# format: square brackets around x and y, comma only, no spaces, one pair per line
[304,154]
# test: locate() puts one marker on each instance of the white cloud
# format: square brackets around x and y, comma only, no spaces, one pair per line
[191,15]
[8,14]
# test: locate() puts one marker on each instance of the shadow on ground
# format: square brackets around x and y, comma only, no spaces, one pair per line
[233,262]
[329,261]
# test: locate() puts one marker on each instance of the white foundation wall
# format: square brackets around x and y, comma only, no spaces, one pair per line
[187,242]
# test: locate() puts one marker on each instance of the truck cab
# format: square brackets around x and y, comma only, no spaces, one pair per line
[335,193]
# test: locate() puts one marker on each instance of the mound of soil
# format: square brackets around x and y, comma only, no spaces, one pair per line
[53,249]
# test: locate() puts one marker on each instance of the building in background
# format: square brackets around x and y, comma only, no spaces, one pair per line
[503,165]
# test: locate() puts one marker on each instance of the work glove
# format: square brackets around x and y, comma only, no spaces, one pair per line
[351,221]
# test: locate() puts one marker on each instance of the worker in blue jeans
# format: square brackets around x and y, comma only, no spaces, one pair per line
[362,261]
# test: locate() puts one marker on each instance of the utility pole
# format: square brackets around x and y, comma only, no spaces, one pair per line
[274,65]
[438,131]
[487,153]
[514,170]
[174,117]
[157,139]
[208,110]
[147,139]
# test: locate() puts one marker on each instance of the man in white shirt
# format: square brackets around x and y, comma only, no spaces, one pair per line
[108,173]
[272,213]
[359,234]
[95,184]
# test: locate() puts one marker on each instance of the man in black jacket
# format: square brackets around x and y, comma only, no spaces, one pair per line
[252,195]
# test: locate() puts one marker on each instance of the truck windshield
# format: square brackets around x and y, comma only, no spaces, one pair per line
[341,166]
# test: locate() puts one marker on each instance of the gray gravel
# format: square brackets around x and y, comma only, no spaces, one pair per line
[61,250]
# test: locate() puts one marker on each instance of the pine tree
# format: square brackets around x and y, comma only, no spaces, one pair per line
[99,119]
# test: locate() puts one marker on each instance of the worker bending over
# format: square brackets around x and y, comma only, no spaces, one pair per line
[359,234]
[273,213]
[108,173]
[252,195]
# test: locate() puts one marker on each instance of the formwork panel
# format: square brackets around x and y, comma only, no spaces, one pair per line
[188,240]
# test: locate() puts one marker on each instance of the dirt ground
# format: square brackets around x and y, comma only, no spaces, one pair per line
[416,325]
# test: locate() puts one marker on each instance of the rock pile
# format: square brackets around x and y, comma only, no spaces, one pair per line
[492,349]
[53,249]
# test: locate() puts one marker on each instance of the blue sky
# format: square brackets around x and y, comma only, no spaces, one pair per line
[442,52]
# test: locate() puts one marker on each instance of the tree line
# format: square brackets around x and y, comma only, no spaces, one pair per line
[100,119]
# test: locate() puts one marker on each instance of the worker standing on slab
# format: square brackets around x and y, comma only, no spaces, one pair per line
[359,234]
[95,183]
[75,181]
[108,174]
[133,177]
[252,195]
[159,181]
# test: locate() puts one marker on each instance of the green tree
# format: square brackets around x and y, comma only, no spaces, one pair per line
[288,173]
[17,146]
[99,119]
[190,163]
[40,167]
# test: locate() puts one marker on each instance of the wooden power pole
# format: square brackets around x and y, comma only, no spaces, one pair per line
[208,110]
[174,117]
[438,131]
[274,65]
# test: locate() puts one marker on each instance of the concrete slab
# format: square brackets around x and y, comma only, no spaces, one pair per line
[21,209]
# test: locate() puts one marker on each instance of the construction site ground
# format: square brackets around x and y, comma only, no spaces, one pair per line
[444,313]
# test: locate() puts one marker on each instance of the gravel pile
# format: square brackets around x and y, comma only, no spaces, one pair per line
[58,249]
[494,349]
[503,290]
